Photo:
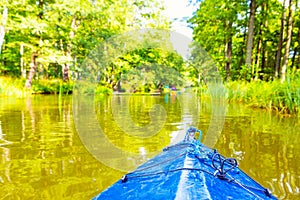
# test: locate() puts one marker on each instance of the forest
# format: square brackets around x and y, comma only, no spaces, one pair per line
[250,40]
[254,44]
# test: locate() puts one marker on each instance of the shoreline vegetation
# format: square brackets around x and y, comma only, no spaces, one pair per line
[15,87]
[46,45]
[283,98]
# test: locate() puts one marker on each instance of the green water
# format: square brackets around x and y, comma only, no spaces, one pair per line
[43,156]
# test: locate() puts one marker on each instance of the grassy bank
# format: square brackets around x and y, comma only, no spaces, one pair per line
[12,87]
[15,87]
[281,97]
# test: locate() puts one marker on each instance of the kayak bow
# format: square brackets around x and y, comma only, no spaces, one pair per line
[187,170]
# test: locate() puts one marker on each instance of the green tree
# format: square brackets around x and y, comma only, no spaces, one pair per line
[215,25]
[52,37]
[245,38]
[250,35]
[150,67]
[288,41]
[3,24]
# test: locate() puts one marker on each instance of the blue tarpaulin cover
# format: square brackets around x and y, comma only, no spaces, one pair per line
[187,170]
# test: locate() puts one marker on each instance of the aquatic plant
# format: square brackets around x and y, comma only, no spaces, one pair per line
[15,87]
[54,86]
[12,87]
[273,95]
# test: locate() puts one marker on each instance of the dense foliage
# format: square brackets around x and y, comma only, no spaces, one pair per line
[48,39]
[251,39]
[255,45]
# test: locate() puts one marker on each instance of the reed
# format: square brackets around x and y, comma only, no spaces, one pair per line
[101,90]
[53,86]
[15,87]
[12,87]
[274,95]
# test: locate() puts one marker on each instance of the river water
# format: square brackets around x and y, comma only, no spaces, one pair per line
[44,154]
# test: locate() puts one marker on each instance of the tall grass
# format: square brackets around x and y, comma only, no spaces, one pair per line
[282,97]
[12,87]
[15,87]
[53,86]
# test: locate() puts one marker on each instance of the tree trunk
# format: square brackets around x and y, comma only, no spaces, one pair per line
[257,66]
[242,60]
[23,71]
[296,48]
[258,52]
[264,57]
[66,67]
[34,55]
[228,49]
[33,67]
[264,42]
[2,27]
[278,54]
[288,42]
[250,37]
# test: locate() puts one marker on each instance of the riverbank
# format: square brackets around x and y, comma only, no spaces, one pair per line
[15,87]
[284,97]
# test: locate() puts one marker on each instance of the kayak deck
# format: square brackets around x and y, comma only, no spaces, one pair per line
[187,170]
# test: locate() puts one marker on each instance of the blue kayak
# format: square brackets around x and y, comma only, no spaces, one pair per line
[187,170]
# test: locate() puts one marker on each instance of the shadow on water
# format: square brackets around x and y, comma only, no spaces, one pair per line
[42,156]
